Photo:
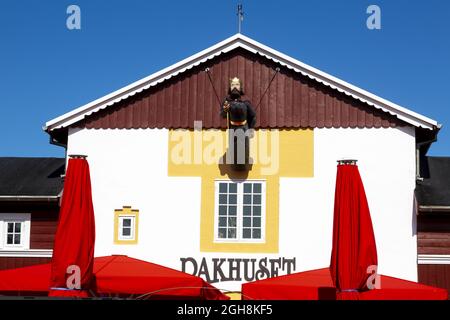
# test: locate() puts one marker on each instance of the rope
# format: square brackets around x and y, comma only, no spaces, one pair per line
[271,80]
[148,294]
[214,88]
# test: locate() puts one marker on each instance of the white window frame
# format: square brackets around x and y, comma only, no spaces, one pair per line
[239,215]
[25,220]
[132,235]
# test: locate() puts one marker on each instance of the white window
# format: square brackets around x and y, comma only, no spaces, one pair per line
[240,211]
[127,227]
[15,231]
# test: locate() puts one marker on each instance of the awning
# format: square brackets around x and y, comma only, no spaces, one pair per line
[318,285]
[116,276]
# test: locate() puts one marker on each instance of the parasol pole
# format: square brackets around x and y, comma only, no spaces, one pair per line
[220,103]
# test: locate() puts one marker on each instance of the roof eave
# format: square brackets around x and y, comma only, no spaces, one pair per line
[239,40]
[434,209]
[21,198]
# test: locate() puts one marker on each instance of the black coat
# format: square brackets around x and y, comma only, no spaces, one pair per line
[240,111]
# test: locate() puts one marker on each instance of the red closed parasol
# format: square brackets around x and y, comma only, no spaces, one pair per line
[353,258]
[73,252]
[354,252]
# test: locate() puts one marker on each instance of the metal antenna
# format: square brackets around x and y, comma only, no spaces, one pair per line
[240,14]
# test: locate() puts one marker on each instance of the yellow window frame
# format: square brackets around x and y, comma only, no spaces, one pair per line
[126,211]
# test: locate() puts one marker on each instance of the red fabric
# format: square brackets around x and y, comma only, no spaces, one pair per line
[68,293]
[318,285]
[354,248]
[308,285]
[353,251]
[75,235]
[115,275]
[26,280]
[124,275]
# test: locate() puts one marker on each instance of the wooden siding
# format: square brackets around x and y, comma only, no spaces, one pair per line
[44,220]
[437,275]
[433,234]
[19,262]
[43,229]
[293,100]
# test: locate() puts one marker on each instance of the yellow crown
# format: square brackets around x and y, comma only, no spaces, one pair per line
[235,79]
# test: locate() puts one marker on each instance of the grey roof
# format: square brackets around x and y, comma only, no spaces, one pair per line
[434,190]
[31,176]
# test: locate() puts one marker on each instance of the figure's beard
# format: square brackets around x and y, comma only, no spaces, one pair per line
[235,93]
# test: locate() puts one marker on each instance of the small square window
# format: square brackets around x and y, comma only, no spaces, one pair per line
[127,222]
[126,232]
[256,233]
[247,233]
[232,188]
[223,187]
[15,231]
[222,233]
[223,199]
[222,210]
[256,188]
[247,188]
[232,222]
[127,228]
[222,222]
[232,233]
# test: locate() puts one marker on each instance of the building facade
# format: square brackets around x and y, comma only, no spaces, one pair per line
[163,192]
[433,222]
[30,190]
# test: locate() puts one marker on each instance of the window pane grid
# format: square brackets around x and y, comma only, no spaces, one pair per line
[126,228]
[13,233]
[252,214]
[239,212]
[227,210]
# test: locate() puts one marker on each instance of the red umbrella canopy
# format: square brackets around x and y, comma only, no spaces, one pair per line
[318,285]
[354,248]
[117,276]
[75,235]
[129,276]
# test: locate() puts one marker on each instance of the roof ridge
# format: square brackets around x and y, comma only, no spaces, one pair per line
[227,45]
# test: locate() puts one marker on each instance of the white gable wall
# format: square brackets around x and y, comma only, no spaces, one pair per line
[387,166]
[129,167]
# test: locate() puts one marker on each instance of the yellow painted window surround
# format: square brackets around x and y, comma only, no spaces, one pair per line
[126,225]
[296,160]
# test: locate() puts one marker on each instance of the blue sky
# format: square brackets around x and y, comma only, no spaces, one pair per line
[47,70]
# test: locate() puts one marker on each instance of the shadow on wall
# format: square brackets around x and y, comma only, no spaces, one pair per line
[415,212]
[234,171]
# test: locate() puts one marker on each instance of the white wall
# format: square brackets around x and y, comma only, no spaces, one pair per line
[129,167]
[387,166]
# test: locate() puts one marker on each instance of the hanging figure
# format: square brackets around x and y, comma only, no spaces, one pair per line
[240,117]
